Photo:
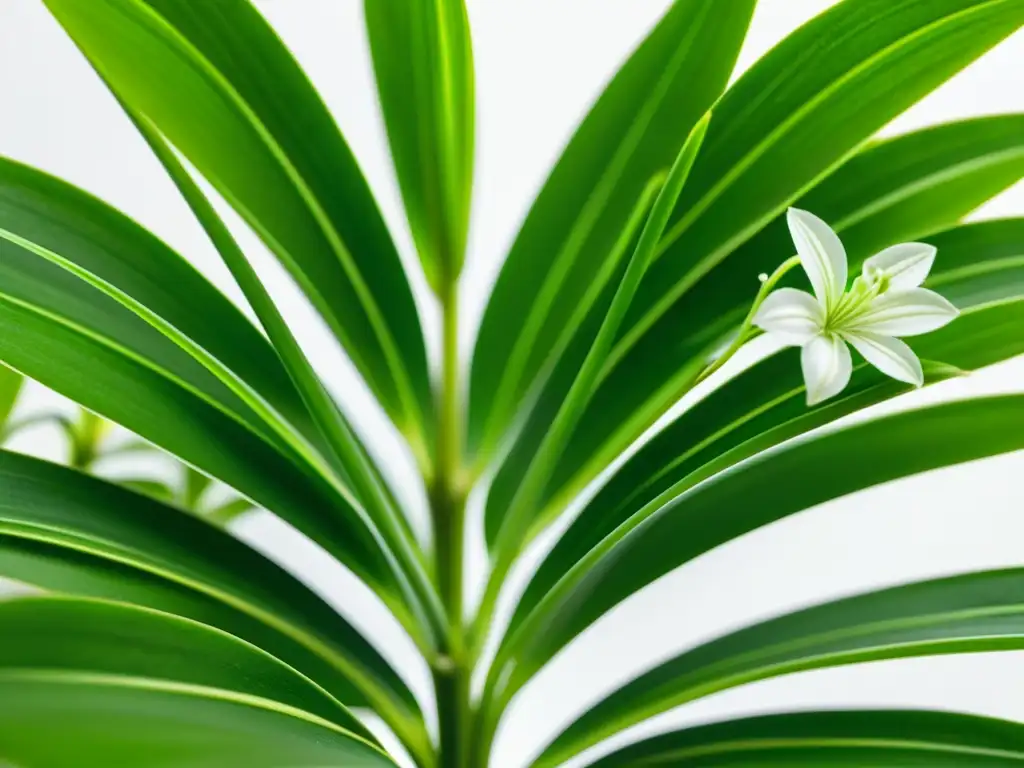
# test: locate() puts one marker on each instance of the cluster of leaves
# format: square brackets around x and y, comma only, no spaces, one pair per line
[168,642]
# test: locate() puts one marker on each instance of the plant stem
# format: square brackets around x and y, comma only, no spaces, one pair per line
[447,497]
[744,335]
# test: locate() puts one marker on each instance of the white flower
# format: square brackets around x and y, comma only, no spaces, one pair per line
[884,302]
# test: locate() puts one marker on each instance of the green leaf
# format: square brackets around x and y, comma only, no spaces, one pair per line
[228,511]
[897,190]
[979,267]
[851,739]
[964,614]
[117,385]
[565,252]
[10,387]
[351,461]
[219,84]
[523,507]
[423,60]
[148,487]
[126,259]
[783,481]
[65,720]
[100,637]
[67,532]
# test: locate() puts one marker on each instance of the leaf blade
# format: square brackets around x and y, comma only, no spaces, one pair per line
[423,62]
[970,613]
[95,636]
[568,237]
[897,190]
[685,527]
[65,531]
[850,738]
[108,721]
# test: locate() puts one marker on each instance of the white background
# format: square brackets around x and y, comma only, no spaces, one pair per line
[539,64]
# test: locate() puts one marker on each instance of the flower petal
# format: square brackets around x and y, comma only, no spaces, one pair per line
[903,313]
[821,253]
[906,265]
[827,366]
[891,356]
[792,316]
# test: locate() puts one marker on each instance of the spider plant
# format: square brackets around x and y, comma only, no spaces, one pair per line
[160,639]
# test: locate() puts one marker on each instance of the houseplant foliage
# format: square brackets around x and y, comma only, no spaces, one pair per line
[636,263]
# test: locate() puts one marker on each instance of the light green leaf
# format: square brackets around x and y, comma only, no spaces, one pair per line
[67,532]
[10,387]
[67,720]
[785,480]
[219,84]
[964,614]
[851,739]
[154,488]
[95,636]
[897,190]
[979,268]
[423,58]
[565,252]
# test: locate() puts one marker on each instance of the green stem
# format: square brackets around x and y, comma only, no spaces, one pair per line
[744,334]
[451,668]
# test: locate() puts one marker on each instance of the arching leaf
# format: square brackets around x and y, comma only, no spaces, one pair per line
[964,614]
[65,720]
[767,487]
[848,739]
[67,532]
[100,637]
[897,190]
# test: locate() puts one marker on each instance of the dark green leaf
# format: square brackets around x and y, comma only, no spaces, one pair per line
[849,739]
[219,84]
[523,509]
[964,614]
[154,488]
[564,253]
[93,636]
[67,720]
[783,481]
[423,59]
[67,532]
